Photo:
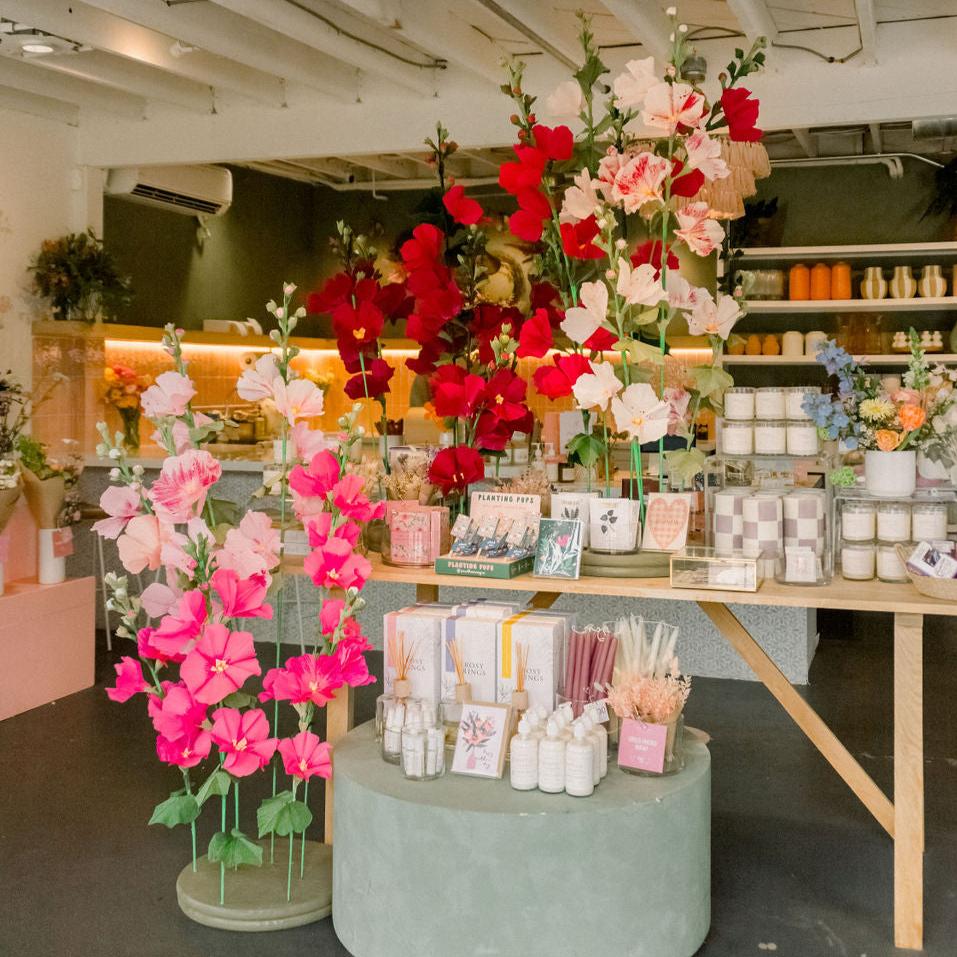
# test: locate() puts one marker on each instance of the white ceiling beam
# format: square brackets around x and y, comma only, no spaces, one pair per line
[390,166]
[133,77]
[647,21]
[877,138]
[43,106]
[805,140]
[229,35]
[92,27]
[755,19]
[298,23]
[867,21]
[22,75]
[537,23]
[384,12]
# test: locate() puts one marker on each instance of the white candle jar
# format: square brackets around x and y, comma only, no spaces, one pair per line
[858,521]
[889,566]
[794,400]
[770,437]
[737,437]
[792,343]
[769,403]
[893,522]
[813,342]
[928,521]
[739,403]
[858,560]
[802,438]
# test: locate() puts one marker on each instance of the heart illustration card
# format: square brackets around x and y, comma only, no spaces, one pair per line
[667,515]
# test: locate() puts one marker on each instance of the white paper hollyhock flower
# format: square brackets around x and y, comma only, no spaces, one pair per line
[640,413]
[581,200]
[701,235]
[670,105]
[710,318]
[639,285]
[565,100]
[582,322]
[258,383]
[681,294]
[704,153]
[597,388]
[631,86]
[640,181]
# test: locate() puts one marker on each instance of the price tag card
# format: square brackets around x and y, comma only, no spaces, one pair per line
[62,542]
[642,746]
[598,710]
[516,533]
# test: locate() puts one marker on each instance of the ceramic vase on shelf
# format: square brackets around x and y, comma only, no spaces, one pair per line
[841,281]
[873,285]
[903,285]
[613,525]
[821,281]
[930,472]
[890,474]
[932,284]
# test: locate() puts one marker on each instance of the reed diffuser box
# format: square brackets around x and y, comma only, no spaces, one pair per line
[476,637]
[543,637]
[420,630]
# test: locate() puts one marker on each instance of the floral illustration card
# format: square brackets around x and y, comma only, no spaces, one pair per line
[559,551]
[482,740]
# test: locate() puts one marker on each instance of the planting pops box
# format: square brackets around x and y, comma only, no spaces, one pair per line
[477,567]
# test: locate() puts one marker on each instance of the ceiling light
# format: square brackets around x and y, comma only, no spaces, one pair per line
[36,48]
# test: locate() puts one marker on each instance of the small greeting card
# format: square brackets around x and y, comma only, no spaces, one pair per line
[642,746]
[482,740]
[62,542]
[667,515]
[559,550]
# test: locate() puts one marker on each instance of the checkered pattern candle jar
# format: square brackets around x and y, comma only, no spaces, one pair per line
[763,528]
[804,520]
[729,519]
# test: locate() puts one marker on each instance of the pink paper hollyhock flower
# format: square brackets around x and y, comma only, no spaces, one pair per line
[180,433]
[257,383]
[146,648]
[129,680]
[173,554]
[168,395]
[352,662]
[300,399]
[308,442]
[185,752]
[335,565]
[220,663]
[319,528]
[174,634]
[678,401]
[179,491]
[158,599]
[177,714]
[330,615]
[314,678]
[244,738]
[140,544]
[701,234]
[639,181]
[120,504]
[316,479]
[241,598]
[306,755]
[348,498]
[252,548]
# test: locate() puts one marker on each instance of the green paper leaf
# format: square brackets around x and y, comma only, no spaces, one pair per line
[710,380]
[585,449]
[268,813]
[685,463]
[216,784]
[178,808]
[640,352]
[233,849]
[283,815]
[239,699]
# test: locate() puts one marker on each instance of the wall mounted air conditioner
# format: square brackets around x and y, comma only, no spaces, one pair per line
[192,190]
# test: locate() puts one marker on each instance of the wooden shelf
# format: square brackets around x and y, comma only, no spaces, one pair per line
[895,359]
[861,251]
[762,307]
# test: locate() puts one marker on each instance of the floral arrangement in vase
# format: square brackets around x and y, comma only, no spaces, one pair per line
[122,388]
[618,297]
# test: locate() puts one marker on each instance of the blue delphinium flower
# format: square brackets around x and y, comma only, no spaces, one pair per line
[834,358]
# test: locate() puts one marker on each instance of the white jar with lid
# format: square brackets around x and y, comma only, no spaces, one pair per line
[858,560]
[858,521]
[890,568]
[792,343]
[739,403]
[769,403]
[770,437]
[737,437]
[813,342]
[802,438]
[795,400]
[893,522]
[928,521]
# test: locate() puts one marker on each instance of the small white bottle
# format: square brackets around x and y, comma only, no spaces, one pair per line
[589,725]
[551,761]
[413,749]
[579,764]
[535,726]
[523,759]
[601,735]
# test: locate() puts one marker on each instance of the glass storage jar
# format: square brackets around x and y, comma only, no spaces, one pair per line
[858,560]
[737,437]
[858,521]
[802,438]
[739,403]
[770,437]
[928,521]
[769,403]
[893,522]
[890,568]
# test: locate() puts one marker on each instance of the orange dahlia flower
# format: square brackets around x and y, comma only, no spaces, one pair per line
[912,417]
[887,440]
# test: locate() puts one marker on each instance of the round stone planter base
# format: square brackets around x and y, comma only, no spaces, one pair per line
[256,896]
[633,565]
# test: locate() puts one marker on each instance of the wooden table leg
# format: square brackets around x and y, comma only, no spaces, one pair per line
[340,717]
[426,593]
[908,781]
[544,599]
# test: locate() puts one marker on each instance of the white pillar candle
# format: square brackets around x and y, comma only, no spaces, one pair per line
[770,437]
[802,438]
[857,560]
[769,403]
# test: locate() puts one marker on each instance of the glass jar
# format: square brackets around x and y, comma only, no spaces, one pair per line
[794,401]
[893,522]
[858,560]
[739,403]
[890,568]
[802,438]
[414,535]
[423,747]
[737,438]
[769,403]
[928,521]
[858,521]
[674,746]
[770,437]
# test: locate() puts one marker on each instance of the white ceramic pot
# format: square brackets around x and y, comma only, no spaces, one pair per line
[930,470]
[51,570]
[890,474]
[613,525]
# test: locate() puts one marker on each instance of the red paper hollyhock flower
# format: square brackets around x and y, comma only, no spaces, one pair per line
[555,382]
[535,339]
[650,252]
[425,362]
[554,143]
[425,247]
[360,324]
[685,183]
[525,173]
[488,321]
[492,434]
[455,468]
[577,239]
[460,207]
[545,296]
[505,396]
[375,381]
[600,340]
[741,113]
[527,223]
[334,291]
[455,392]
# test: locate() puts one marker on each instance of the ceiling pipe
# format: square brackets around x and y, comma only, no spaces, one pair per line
[892,161]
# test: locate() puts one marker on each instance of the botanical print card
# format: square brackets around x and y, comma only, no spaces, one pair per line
[667,515]
[482,740]
[559,551]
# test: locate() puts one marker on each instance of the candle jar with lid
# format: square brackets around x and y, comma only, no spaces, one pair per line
[858,521]
[794,399]
[858,560]
[769,403]
[737,437]
[890,568]
[928,521]
[739,403]
[802,438]
[770,437]
[893,521]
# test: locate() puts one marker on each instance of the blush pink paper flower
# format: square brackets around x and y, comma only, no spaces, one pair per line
[121,504]
[308,441]
[244,738]
[180,433]
[169,395]
[305,678]
[177,714]
[159,599]
[300,399]
[129,680]
[306,756]
[181,626]
[352,662]
[220,663]
[257,383]
[185,752]
[335,565]
[179,491]
[146,648]
[140,544]
[252,548]
[241,597]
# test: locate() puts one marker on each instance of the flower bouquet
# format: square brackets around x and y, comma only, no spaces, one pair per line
[122,388]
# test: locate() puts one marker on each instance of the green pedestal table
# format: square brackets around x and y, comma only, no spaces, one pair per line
[462,866]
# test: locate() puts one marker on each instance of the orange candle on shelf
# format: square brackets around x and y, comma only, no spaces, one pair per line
[799,282]
[821,281]
[840,281]
[753,345]
[770,346]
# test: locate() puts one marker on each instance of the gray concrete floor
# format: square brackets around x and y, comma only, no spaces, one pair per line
[799,867]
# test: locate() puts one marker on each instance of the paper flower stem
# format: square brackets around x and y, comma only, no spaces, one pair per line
[292,841]
[302,852]
[222,866]
[192,824]
[236,804]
